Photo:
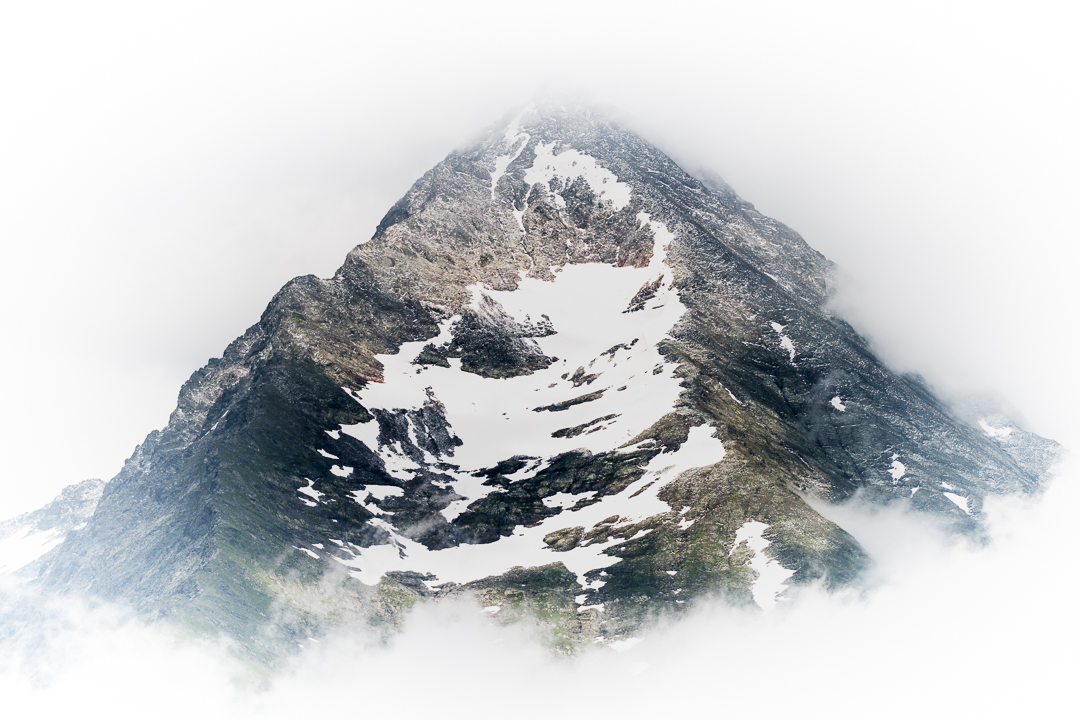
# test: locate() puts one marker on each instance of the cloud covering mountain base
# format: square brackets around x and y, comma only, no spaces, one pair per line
[944,627]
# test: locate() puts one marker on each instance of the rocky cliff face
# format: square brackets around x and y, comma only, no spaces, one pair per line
[564,377]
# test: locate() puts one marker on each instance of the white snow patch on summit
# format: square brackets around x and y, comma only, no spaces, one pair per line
[498,418]
[838,404]
[570,164]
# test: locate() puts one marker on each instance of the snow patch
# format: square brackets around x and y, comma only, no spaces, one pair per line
[310,490]
[838,404]
[771,574]
[341,471]
[566,500]
[570,164]
[897,469]
[503,161]
[381,492]
[785,341]
[993,431]
[959,500]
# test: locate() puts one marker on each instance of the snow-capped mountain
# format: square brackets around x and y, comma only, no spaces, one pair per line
[565,378]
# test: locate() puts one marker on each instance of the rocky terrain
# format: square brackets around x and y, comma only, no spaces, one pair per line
[564,378]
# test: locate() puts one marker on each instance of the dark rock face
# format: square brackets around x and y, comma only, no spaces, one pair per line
[280,498]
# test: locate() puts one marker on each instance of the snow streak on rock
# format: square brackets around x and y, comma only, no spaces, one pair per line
[959,500]
[771,574]
[785,341]
[515,139]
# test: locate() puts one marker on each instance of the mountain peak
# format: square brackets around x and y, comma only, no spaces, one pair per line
[564,377]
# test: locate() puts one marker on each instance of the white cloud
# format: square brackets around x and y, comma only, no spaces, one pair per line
[947,628]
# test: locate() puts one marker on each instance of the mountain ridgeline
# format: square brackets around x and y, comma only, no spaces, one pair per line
[564,378]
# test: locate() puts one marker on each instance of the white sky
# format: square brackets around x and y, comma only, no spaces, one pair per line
[165,170]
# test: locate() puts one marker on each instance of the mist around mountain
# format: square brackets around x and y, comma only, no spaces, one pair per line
[926,638]
[892,544]
[566,382]
[928,149]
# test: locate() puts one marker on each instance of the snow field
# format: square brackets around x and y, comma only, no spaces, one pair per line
[526,546]
[571,164]
[897,469]
[495,418]
[25,546]
[498,418]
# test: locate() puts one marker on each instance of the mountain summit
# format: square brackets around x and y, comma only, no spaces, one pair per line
[565,378]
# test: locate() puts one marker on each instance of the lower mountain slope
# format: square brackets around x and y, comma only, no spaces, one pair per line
[565,378]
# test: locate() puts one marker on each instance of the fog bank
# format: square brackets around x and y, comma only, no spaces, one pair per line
[944,628]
